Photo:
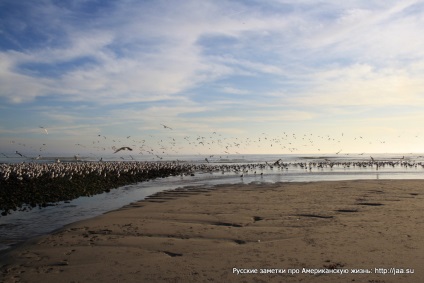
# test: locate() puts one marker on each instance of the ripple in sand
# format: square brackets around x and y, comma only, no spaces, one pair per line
[370,203]
[314,215]
[171,254]
[347,210]
[257,218]
[226,224]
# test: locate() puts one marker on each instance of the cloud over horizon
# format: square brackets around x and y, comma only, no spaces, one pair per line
[200,63]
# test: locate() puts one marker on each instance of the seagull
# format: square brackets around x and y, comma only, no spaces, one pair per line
[123,148]
[44,130]
[21,155]
[165,127]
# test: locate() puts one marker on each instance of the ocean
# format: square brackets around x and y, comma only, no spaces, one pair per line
[20,226]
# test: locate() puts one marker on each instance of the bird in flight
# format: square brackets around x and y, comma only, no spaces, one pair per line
[123,148]
[20,154]
[166,127]
[41,127]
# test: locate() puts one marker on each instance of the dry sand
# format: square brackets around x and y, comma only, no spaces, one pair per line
[201,235]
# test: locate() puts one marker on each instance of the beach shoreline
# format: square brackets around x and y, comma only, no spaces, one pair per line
[293,232]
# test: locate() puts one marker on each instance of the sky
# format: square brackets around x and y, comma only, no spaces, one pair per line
[211,77]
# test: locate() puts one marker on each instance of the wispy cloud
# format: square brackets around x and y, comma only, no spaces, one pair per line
[201,63]
[232,90]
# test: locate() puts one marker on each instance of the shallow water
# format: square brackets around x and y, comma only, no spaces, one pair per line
[20,226]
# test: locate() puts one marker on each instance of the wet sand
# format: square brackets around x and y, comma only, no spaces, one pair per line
[287,231]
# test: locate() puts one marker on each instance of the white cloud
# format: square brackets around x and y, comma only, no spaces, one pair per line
[362,85]
[151,58]
[308,57]
[233,90]
[17,87]
[153,116]
[379,35]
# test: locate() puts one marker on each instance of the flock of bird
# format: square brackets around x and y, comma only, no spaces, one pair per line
[27,185]
[67,170]
[105,169]
[103,147]
[171,142]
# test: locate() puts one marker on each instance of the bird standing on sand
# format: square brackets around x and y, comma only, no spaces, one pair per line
[123,148]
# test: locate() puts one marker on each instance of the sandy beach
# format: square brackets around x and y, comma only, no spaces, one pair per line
[339,231]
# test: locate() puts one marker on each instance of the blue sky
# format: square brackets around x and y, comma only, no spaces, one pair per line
[272,76]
